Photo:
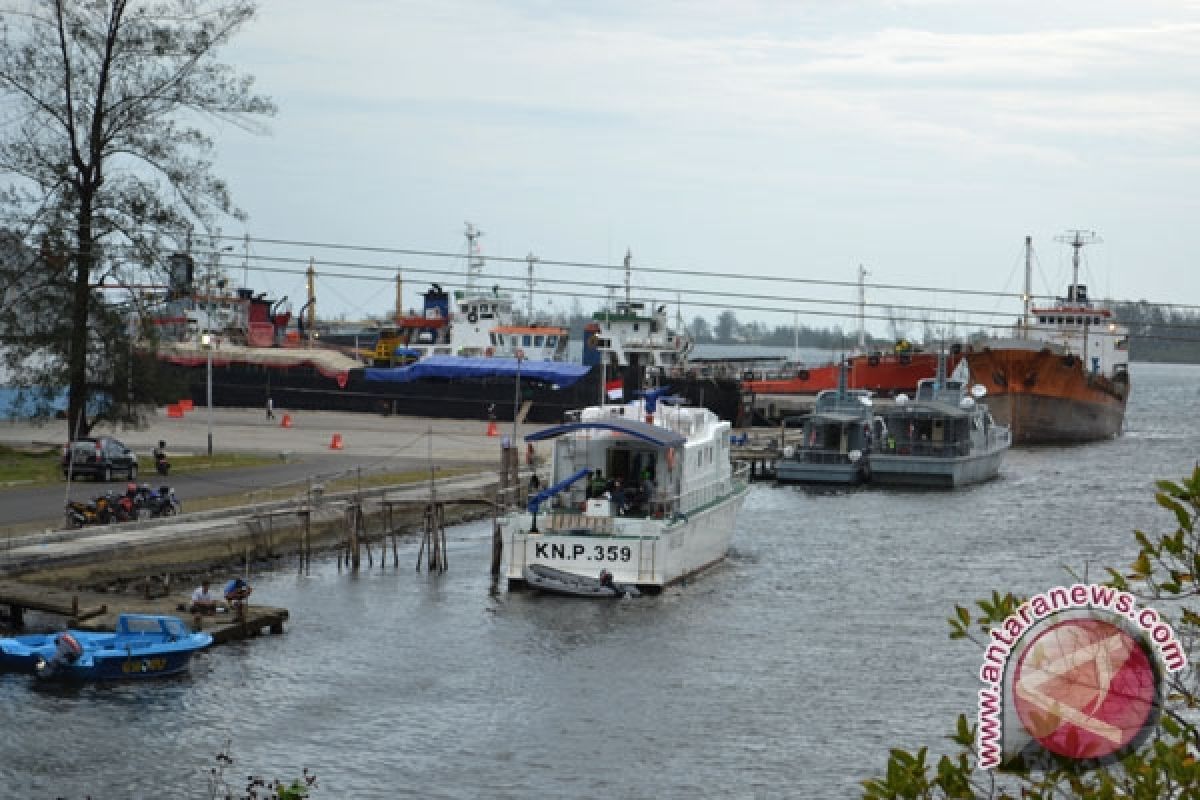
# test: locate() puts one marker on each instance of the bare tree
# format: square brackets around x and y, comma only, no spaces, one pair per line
[107,169]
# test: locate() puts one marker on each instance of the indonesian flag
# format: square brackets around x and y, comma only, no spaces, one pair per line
[615,389]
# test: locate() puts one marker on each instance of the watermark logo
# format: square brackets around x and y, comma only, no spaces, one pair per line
[1081,669]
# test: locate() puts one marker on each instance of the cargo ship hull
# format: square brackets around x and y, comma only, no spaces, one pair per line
[305,387]
[1046,397]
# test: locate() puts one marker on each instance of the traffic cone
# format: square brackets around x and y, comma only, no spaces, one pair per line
[174,410]
[492,430]
[286,422]
[186,404]
[336,442]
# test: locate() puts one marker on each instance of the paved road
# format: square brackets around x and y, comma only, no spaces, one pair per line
[368,441]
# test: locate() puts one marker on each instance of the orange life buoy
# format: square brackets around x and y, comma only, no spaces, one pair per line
[489,352]
[671,458]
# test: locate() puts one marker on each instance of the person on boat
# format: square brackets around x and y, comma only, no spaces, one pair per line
[619,499]
[606,578]
[597,485]
[203,600]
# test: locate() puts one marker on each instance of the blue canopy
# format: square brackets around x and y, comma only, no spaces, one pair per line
[556,372]
[632,427]
[545,494]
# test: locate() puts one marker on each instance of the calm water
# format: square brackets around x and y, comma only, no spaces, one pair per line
[786,672]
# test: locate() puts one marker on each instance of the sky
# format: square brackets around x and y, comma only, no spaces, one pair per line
[922,139]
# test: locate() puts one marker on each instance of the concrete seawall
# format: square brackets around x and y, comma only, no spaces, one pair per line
[253,533]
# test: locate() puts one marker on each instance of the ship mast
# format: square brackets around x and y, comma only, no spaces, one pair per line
[1027,297]
[862,308]
[1077,239]
[531,259]
[312,299]
[474,260]
[628,267]
[399,295]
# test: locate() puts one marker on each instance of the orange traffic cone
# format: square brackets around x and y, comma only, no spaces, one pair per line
[286,422]
[492,430]
[174,410]
[336,442]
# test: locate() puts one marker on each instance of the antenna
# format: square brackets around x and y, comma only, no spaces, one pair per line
[1077,239]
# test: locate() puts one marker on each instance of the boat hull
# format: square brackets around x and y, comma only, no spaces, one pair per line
[881,374]
[935,471]
[794,470]
[1047,398]
[647,553]
[105,656]
[302,387]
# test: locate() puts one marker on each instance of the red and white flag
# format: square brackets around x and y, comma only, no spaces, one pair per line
[615,389]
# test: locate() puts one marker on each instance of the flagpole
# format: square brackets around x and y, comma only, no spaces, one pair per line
[603,380]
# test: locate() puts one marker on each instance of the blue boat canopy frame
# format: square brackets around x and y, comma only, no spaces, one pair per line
[631,427]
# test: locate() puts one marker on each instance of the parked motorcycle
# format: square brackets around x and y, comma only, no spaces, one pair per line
[160,503]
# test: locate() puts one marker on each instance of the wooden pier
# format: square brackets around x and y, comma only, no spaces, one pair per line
[96,611]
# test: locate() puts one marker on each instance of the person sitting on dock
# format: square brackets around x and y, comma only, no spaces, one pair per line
[236,592]
[203,600]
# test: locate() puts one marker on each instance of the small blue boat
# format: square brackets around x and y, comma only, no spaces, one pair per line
[143,646]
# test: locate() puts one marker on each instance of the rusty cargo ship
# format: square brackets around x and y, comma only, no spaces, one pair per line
[1064,377]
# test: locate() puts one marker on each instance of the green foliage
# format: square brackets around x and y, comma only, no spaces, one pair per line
[106,170]
[257,787]
[1167,767]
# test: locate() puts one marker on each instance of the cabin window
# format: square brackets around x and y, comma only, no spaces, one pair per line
[526,340]
[492,339]
[551,341]
[464,308]
[635,326]
[538,341]
[1095,320]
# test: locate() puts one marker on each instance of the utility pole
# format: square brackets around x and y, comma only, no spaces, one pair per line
[312,299]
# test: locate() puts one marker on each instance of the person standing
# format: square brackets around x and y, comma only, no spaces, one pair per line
[270,408]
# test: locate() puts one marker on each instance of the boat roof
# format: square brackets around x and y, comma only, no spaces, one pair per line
[838,416]
[557,372]
[631,427]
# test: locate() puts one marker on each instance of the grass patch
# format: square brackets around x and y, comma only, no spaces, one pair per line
[24,466]
[33,466]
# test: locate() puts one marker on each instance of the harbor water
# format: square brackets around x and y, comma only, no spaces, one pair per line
[788,671]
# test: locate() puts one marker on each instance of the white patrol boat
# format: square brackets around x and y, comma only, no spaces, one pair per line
[640,494]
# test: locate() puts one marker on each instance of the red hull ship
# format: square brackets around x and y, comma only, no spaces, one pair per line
[1065,377]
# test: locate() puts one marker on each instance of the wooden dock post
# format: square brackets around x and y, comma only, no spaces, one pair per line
[433,539]
[497,540]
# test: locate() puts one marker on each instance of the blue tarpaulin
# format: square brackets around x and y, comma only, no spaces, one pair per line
[556,372]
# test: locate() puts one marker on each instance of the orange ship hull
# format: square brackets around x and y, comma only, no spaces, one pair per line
[883,374]
[1046,397]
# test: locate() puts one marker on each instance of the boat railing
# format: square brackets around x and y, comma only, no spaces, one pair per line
[927,449]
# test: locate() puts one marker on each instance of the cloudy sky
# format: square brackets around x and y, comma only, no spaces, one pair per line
[923,139]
